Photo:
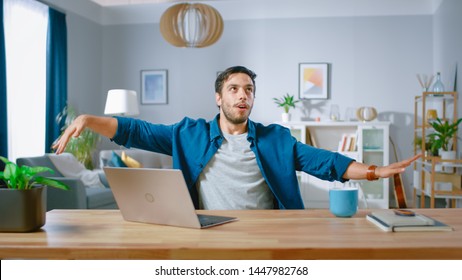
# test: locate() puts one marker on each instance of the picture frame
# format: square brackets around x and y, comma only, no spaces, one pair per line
[314,81]
[154,87]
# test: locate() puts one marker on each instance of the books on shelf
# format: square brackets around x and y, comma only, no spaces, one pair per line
[347,143]
[387,220]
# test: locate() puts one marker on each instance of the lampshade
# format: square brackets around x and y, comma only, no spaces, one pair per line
[121,102]
[191,25]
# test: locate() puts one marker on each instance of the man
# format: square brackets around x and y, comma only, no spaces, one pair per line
[232,162]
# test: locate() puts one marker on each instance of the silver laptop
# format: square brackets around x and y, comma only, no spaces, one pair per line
[157,196]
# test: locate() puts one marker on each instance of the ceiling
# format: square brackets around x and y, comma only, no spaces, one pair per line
[108,12]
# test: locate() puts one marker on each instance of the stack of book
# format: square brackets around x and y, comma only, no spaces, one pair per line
[347,143]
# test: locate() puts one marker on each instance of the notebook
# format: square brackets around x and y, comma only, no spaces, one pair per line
[387,220]
[157,196]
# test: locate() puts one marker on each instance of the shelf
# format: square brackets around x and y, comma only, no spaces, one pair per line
[447,95]
[333,124]
[441,194]
[447,164]
[428,162]
[372,150]
[427,165]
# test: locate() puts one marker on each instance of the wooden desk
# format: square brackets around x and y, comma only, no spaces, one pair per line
[270,234]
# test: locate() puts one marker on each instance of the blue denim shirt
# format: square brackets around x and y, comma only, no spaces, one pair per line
[192,143]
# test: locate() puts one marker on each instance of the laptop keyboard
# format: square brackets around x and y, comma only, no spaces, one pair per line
[207,220]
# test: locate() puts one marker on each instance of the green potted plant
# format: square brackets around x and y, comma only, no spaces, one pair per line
[24,196]
[83,146]
[430,149]
[430,146]
[443,135]
[286,102]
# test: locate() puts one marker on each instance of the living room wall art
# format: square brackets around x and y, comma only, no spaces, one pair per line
[313,80]
[154,87]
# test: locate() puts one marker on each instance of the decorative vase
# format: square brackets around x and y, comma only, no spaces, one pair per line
[438,85]
[448,155]
[432,114]
[23,210]
[285,117]
[366,114]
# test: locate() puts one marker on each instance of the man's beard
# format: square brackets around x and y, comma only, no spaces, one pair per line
[235,118]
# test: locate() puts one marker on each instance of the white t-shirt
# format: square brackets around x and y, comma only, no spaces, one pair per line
[232,178]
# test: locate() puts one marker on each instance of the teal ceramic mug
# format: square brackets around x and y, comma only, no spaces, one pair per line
[343,202]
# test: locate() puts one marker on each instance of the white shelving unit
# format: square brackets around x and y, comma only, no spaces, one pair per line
[372,147]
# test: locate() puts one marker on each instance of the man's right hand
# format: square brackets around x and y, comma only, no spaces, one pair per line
[73,130]
[106,126]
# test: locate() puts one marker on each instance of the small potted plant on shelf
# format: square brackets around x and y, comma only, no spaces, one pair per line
[23,196]
[444,133]
[286,102]
[429,149]
[429,145]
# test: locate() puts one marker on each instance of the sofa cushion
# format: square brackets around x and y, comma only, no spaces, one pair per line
[100,198]
[68,165]
[116,161]
[129,161]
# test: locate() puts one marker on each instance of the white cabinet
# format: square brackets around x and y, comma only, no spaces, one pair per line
[367,143]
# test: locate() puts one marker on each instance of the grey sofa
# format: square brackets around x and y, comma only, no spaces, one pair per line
[79,196]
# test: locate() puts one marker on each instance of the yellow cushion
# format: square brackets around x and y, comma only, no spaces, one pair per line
[130,162]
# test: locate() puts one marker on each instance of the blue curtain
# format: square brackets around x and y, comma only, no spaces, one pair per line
[56,74]
[3,113]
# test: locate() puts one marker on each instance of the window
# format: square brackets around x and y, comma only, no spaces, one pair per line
[25,24]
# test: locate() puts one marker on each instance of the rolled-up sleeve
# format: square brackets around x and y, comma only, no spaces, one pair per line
[323,164]
[144,135]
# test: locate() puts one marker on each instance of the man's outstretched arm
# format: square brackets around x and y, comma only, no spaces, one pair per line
[106,126]
[359,171]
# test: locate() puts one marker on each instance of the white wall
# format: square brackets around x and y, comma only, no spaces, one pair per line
[84,65]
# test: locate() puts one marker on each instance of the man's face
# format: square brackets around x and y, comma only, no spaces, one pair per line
[236,98]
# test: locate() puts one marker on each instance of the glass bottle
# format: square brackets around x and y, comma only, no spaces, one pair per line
[334,113]
[438,85]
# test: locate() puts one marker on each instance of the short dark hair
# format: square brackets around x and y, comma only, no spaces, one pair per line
[223,76]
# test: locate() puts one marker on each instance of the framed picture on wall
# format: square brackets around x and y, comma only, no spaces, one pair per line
[313,81]
[154,87]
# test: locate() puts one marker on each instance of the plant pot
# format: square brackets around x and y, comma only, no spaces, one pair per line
[448,155]
[22,210]
[285,117]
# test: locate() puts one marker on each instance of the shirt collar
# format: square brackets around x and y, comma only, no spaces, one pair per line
[215,131]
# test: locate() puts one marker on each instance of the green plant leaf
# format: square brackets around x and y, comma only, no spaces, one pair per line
[50,182]
[443,133]
[4,159]
[286,102]
[24,177]
[11,174]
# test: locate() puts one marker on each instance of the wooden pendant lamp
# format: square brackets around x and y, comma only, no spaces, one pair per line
[191,25]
